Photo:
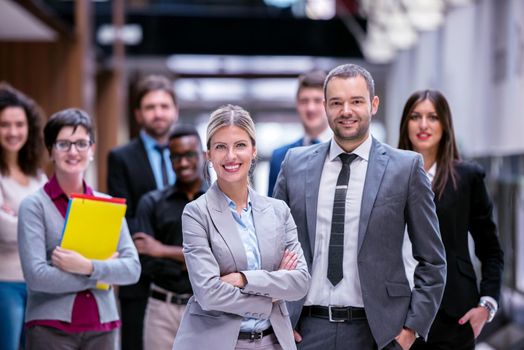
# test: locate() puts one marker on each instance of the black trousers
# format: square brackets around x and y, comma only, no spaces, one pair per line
[447,334]
[133,311]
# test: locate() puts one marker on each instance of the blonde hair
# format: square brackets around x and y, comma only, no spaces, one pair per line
[229,115]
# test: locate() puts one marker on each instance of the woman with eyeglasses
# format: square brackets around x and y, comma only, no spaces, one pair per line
[65,310]
[20,175]
[463,206]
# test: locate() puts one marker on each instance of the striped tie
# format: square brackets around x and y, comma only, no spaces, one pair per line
[336,240]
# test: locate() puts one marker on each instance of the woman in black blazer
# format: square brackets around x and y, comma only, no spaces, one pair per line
[463,205]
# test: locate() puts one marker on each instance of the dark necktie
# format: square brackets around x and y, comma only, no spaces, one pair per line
[160,150]
[315,141]
[336,240]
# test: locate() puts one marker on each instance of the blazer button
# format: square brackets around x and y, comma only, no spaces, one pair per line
[254,314]
[266,294]
[258,293]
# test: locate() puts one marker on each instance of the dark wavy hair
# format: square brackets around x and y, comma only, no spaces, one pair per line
[30,155]
[447,153]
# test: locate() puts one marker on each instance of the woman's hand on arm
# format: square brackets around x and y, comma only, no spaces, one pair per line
[6,208]
[236,279]
[71,261]
[289,260]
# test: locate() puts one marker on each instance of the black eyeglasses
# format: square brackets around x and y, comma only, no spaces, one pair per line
[80,145]
[177,157]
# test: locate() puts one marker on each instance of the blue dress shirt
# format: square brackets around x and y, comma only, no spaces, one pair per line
[154,160]
[246,230]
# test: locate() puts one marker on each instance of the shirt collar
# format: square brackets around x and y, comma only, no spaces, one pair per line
[54,190]
[149,142]
[232,205]
[323,137]
[432,171]
[362,151]
[174,190]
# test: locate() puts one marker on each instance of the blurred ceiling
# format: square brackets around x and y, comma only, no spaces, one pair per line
[225,27]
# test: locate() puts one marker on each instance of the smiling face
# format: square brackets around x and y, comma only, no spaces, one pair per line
[13,129]
[349,110]
[310,108]
[187,159]
[73,161]
[424,128]
[157,113]
[231,153]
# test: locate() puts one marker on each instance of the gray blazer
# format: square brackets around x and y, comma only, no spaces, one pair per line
[213,247]
[51,291]
[396,193]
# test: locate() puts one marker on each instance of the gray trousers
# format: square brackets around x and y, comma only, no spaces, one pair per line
[318,333]
[49,338]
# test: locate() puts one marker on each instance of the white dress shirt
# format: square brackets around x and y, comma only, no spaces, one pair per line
[347,292]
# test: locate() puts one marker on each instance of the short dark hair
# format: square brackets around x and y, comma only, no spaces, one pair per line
[185,130]
[73,117]
[30,155]
[351,70]
[312,79]
[153,83]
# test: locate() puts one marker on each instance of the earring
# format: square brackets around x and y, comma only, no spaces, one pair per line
[91,158]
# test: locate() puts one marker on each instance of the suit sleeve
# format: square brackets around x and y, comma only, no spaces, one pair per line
[280,188]
[428,250]
[274,168]
[282,284]
[484,233]
[118,185]
[211,293]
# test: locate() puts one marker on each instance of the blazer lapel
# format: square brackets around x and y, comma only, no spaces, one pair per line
[225,225]
[315,164]
[378,161]
[264,221]
[143,165]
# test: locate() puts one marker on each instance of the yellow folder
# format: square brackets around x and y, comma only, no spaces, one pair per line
[92,227]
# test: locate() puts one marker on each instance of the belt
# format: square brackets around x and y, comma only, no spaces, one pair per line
[335,313]
[175,298]
[255,335]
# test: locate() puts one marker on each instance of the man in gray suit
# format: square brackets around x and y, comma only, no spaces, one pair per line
[352,229]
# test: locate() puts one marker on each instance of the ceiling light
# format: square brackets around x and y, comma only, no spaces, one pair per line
[320,9]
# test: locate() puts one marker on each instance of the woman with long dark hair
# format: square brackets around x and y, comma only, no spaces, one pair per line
[21,149]
[463,205]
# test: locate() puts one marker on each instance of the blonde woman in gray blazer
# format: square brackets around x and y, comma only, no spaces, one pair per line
[241,250]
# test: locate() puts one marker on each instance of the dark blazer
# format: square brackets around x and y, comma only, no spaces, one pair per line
[129,175]
[468,208]
[276,160]
[396,193]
